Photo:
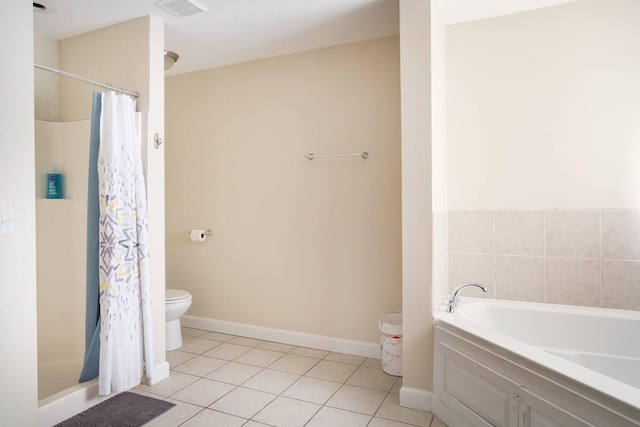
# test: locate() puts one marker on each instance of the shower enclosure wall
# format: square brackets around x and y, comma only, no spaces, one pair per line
[61,226]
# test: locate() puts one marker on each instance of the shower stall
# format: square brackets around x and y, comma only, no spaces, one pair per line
[61,226]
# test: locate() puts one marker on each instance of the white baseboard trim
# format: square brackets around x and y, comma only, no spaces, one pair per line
[69,402]
[416,398]
[321,342]
[160,372]
[80,397]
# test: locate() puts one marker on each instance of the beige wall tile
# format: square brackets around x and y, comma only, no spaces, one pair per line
[574,281]
[621,234]
[621,284]
[519,232]
[520,278]
[471,231]
[465,268]
[573,233]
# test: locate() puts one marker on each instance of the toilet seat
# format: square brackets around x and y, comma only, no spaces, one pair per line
[173,296]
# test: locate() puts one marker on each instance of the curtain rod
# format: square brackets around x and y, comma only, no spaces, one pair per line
[86,80]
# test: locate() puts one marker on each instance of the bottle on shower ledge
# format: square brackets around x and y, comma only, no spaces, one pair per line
[54,184]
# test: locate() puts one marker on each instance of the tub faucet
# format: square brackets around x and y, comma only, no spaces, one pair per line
[453,301]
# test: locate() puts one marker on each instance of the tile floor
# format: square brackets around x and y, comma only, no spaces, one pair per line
[227,381]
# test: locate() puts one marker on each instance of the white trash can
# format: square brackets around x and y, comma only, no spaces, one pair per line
[390,326]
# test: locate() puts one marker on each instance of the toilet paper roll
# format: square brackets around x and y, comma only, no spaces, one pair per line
[198,235]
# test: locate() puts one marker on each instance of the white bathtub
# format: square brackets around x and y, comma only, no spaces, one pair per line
[528,364]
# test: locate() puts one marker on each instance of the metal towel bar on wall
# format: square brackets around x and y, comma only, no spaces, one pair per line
[312,156]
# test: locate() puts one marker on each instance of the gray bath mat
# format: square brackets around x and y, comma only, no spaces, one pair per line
[123,410]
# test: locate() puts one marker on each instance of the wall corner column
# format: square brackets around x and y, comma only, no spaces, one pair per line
[415,83]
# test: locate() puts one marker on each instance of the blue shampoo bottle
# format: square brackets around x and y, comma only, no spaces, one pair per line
[54,185]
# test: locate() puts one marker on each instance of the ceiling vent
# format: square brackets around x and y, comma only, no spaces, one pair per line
[182,8]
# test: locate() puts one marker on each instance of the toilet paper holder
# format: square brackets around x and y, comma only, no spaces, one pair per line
[199,235]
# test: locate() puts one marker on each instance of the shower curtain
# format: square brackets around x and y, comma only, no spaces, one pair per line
[92,311]
[125,309]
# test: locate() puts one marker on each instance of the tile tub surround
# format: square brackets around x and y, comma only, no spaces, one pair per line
[588,257]
[302,387]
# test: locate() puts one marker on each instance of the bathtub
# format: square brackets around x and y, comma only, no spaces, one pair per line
[508,363]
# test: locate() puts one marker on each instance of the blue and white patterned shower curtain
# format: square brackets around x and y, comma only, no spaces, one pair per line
[125,310]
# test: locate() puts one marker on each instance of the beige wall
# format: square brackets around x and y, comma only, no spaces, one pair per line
[18,364]
[309,246]
[543,120]
[439,178]
[45,52]
[417,202]
[118,55]
[543,108]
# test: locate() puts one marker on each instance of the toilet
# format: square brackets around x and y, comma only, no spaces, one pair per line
[177,302]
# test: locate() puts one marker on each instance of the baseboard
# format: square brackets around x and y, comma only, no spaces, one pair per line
[416,398]
[80,397]
[69,402]
[321,342]
[160,372]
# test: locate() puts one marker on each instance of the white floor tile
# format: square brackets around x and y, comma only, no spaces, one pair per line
[332,371]
[146,393]
[264,382]
[345,358]
[396,387]
[199,345]
[309,352]
[208,418]
[203,392]
[234,373]
[294,364]
[243,402]
[271,381]
[357,399]
[258,357]
[312,390]
[249,342]
[216,336]
[372,363]
[192,332]
[275,346]
[374,378]
[167,387]
[285,412]
[200,366]
[175,416]
[227,351]
[391,410]
[331,417]
[187,338]
[380,422]
[177,357]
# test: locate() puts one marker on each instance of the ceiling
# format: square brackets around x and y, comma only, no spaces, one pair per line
[458,11]
[234,31]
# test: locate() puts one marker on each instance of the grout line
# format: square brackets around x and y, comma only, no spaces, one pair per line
[495,258]
[601,263]
[544,251]
[320,406]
